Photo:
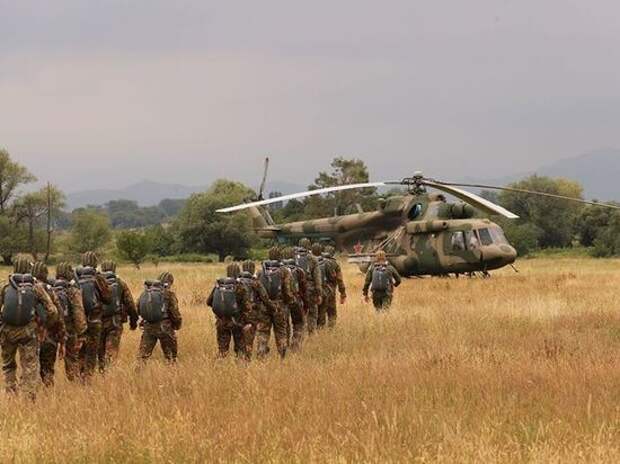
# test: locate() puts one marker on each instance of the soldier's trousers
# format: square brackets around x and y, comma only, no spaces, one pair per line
[266,320]
[72,359]
[88,353]
[328,310]
[312,314]
[162,332]
[382,301]
[47,361]
[298,320]
[22,340]
[228,331]
[110,342]
[249,331]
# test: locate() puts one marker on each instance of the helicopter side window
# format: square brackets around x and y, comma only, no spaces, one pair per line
[485,237]
[458,241]
[472,240]
[415,212]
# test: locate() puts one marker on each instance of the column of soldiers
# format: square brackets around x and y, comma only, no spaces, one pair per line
[80,314]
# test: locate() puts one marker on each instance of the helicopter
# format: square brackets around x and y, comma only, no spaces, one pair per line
[421,232]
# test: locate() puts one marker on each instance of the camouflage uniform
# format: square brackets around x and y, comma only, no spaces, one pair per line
[314,287]
[239,330]
[25,340]
[260,300]
[164,331]
[75,320]
[49,347]
[275,314]
[90,348]
[112,326]
[299,303]
[382,300]
[332,281]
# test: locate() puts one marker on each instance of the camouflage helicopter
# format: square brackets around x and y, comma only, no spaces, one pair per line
[421,232]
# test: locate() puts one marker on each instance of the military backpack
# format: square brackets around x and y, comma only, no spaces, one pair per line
[114,308]
[225,298]
[303,259]
[152,303]
[19,305]
[381,278]
[247,280]
[271,278]
[86,278]
[60,288]
[323,268]
[295,270]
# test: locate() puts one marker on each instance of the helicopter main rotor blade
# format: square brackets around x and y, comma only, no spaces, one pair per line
[294,196]
[532,192]
[475,200]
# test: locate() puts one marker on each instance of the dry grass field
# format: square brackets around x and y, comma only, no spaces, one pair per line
[520,368]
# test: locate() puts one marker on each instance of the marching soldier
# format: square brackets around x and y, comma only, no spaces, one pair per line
[332,282]
[381,279]
[310,265]
[299,303]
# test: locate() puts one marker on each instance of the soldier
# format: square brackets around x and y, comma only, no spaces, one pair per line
[332,281]
[259,299]
[297,307]
[310,265]
[26,307]
[71,307]
[161,318]
[381,279]
[123,307]
[49,346]
[231,304]
[277,281]
[95,294]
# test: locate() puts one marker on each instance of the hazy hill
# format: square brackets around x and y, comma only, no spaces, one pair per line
[149,193]
[598,172]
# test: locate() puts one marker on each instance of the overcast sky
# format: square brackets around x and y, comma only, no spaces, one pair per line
[105,93]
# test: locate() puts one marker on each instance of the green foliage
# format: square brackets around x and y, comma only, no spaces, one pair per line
[162,240]
[12,176]
[201,230]
[90,231]
[524,237]
[553,217]
[133,246]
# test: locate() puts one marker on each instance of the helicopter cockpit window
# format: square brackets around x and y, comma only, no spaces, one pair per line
[458,241]
[415,211]
[498,236]
[485,237]
[472,240]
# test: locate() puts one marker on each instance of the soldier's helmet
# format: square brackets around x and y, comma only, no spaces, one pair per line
[249,266]
[305,243]
[317,249]
[275,254]
[90,259]
[40,271]
[288,253]
[108,266]
[380,256]
[233,271]
[22,265]
[166,278]
[330,250]
[64,271]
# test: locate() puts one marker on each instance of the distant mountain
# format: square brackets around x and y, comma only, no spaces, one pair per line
[149,193]
[597,171]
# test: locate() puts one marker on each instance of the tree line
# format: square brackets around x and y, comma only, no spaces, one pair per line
[36,223]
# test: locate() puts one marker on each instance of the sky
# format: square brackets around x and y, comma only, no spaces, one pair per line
[97,94]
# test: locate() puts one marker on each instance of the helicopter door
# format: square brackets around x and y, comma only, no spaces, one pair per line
[462,247]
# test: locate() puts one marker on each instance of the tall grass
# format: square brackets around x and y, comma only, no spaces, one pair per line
[520,368]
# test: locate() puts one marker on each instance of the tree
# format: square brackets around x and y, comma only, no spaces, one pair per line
[13,239]
[162,241]
[554,217]
[37,210]
[344,171]
[12,175]
[133,246]
[201,230]
[90,231]
[171,207]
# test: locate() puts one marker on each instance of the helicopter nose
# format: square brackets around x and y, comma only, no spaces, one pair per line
[497,256]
